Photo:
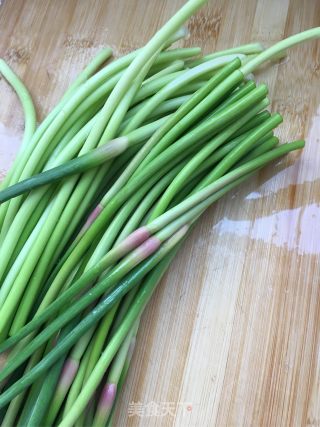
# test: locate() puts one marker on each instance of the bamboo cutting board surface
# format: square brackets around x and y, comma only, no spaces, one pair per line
[231,337]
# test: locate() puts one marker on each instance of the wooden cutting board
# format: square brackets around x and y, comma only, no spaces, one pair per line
[231,337]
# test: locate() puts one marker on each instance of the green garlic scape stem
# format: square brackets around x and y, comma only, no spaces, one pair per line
[109,391]
[89,70]
[25,99]
[29,115]
[177,65]
[274,50]
[72,167]
[246,49]
[78,381]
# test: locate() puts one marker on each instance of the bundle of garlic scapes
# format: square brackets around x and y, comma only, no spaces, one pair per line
[100,198]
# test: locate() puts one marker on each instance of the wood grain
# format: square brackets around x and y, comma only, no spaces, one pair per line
[231,336]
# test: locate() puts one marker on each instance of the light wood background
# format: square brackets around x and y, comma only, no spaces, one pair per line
[231,337]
